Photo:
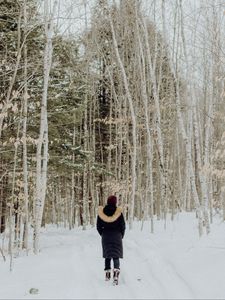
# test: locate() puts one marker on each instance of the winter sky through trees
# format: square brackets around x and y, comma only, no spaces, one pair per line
[72,18]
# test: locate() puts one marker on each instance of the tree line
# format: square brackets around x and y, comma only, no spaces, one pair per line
[117,110]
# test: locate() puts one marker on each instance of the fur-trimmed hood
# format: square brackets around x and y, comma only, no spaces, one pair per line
[109,219]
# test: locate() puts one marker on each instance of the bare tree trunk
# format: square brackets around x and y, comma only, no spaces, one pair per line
[72,197]
[133,118]
[85,210]
[24,139]
[42,146]
[2,253]
[13,234]
[203,213]
[158,133]
[149,177]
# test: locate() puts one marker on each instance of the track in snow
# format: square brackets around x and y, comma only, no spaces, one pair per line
[70,266]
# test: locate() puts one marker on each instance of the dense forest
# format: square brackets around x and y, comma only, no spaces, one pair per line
[116,110]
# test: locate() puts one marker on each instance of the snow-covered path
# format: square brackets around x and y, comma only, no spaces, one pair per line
[170,264]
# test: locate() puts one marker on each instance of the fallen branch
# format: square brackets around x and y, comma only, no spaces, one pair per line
[2,254]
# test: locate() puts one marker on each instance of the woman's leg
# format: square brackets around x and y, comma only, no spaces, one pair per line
[107,269]
[116,262]
[107,264]
[116,270]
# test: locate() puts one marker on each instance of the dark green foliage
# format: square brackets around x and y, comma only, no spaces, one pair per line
[65,97]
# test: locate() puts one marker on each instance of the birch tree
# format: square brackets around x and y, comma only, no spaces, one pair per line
[24,139]
[130,101]
[42,143]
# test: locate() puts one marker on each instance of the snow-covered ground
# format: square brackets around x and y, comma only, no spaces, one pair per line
[169,264]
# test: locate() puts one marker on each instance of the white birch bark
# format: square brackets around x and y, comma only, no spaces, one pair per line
[12,236]
[24,139]
[187,136]
[202,176]
[85,211]
[72,197]
[42,145]
[133,118]
[144,96]
[204,204]
[159,140]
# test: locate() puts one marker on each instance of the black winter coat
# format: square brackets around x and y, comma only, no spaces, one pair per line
[111,227]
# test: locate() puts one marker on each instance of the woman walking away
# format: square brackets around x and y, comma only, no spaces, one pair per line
[111,227]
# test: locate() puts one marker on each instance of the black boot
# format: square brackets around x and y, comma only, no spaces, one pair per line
[116,273]
[107,275]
